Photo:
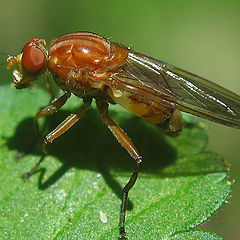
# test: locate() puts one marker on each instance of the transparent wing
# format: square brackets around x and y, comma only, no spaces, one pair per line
[174,87]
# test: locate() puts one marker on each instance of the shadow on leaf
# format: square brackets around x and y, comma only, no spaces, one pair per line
[90,145]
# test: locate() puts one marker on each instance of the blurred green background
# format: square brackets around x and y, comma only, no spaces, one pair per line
[200,36]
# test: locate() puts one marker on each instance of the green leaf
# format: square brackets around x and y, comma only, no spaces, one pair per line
[196,235]
[76,194]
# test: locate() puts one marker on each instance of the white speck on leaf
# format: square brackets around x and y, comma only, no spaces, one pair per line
[103,217]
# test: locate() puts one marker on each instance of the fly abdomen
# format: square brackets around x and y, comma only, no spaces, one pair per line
[165,118]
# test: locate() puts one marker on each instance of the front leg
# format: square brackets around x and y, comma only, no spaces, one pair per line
[58,131]
[125,142]
[49,87]
[52,108]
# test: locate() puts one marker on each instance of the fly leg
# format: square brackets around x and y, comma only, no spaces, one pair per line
[49,88]
[58,131]
[52,108]
[66,124]
[125,142]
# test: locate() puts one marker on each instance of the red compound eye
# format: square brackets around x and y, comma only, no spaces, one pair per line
[30,42]
[33,58]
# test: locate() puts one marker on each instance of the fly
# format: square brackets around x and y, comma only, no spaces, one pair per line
[89,66]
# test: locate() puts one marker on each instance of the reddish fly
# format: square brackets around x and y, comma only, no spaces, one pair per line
[89,66]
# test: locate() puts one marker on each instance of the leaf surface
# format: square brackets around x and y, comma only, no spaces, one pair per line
[76,194]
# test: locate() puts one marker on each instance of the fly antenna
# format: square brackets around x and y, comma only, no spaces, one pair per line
[7,60]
